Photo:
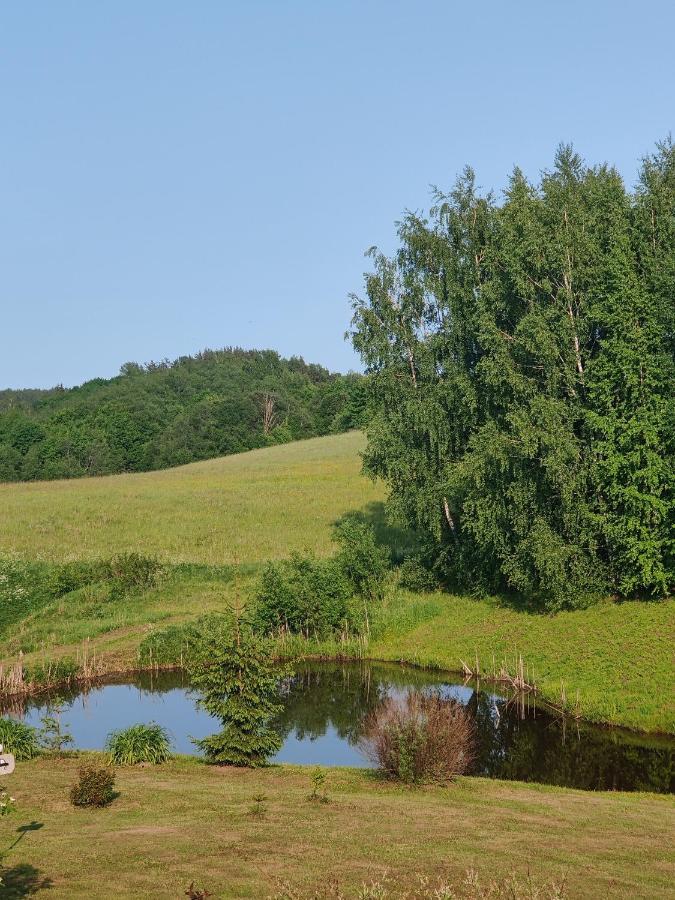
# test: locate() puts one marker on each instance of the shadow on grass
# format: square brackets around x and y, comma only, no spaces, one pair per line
[400,541]
[22,880]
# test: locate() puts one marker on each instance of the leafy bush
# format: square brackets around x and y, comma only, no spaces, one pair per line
[139,743]
[304,596]
[24,589]
[95,786]
[415,576]
[421,737]
[176,644]
[19,739]
[132,572]
[363,562]
[71,576]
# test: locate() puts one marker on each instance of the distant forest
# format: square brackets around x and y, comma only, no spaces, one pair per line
[170,413]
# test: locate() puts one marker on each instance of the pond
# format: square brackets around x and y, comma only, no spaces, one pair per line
[324,705]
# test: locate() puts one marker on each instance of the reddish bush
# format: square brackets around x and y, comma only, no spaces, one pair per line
[420,737]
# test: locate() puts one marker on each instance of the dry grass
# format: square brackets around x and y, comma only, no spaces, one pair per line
[190,822]
[245,508]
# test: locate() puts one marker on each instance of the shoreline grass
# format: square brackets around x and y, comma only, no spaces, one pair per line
[190,822]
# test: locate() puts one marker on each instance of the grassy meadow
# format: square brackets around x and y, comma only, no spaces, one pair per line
[244,508]
[613,661]
[186,821]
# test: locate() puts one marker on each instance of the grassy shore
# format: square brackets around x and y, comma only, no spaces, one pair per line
[186,821]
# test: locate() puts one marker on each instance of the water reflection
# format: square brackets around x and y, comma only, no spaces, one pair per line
[325,704]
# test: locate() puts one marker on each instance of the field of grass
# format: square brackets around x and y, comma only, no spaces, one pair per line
[245,508]
[265,504]
[185,821]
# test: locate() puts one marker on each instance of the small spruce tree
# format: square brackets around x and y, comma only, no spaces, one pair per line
[239,684]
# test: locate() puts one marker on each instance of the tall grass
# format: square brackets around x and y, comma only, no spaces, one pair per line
[19,739]
[139,743]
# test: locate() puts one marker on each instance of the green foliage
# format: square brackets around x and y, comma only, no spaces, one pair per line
[58,671]
[414,575]
[53,737]
[363,562]
[520,361]
[304,596]
[7,807]
[132,572]
[95,786]
[179,645]
[139,743]
[171,413]
[318,793]
[239,682]
[19,739]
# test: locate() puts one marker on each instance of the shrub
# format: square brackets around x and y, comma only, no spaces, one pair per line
[139,743]
[304,596]
[415,576]
[420,737]
[132,572]
[74,575]
[19,739]
[364,564]
[95,786]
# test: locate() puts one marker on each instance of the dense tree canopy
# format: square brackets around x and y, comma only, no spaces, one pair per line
[169,413]
[521,363]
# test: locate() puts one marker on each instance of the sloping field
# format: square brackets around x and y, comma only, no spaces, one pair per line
[237,509]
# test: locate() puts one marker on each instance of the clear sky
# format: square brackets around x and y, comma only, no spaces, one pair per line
[177,175]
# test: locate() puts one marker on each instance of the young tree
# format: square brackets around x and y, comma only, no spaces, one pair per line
[239,681]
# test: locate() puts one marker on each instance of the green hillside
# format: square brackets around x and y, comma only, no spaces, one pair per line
[170,413]
[226,517]
[243,508]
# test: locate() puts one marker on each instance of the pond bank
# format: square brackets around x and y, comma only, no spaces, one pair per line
[324,706]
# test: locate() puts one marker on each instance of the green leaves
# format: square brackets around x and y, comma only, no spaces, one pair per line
[521,370]
[238,681]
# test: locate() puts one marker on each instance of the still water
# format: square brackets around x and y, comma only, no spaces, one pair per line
[324,705]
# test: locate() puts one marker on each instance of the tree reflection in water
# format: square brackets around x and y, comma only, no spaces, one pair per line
[514,741]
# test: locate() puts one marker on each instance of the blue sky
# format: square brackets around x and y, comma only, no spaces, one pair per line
[177,175]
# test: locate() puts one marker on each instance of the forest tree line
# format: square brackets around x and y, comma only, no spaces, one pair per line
[521,380]
[170,413]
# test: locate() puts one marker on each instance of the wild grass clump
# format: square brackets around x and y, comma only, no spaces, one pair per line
[95,786]
[19,739]
[139,743]
[419,738]
[58,671]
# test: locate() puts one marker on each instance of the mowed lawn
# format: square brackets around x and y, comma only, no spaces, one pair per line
[245,508]
[186,821]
